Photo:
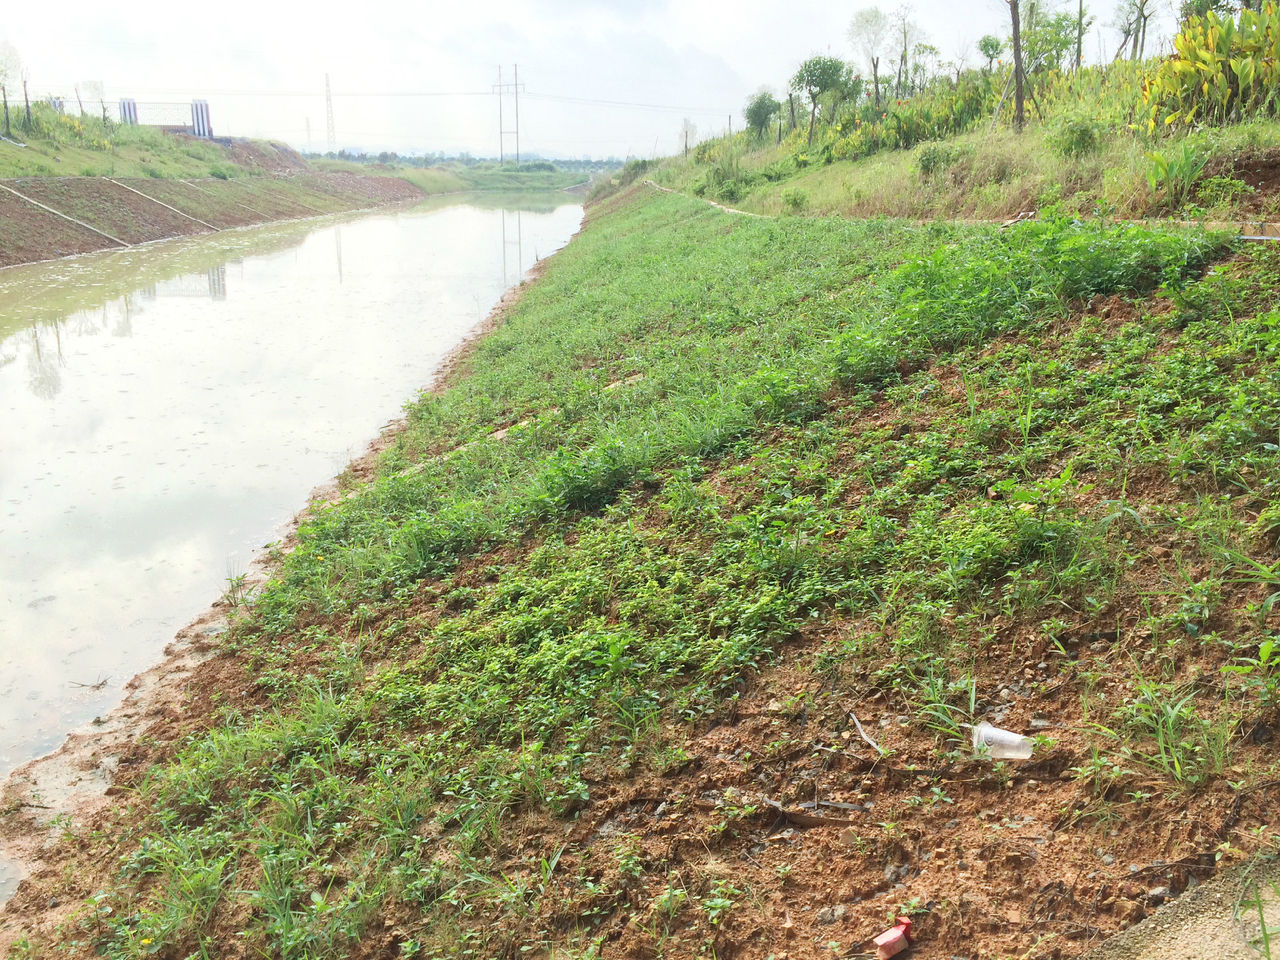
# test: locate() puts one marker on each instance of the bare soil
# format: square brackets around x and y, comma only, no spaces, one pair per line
[1260,169]
[29,234]
[108,207]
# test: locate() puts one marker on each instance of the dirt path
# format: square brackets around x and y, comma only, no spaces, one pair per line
[1221,919]
[1248,229]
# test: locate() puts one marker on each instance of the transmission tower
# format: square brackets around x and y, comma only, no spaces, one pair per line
[504,90]
[328,107]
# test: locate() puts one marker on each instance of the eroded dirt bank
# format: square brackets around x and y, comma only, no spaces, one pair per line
[43,218]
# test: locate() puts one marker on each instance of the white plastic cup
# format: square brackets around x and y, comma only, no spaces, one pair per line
[1001,744]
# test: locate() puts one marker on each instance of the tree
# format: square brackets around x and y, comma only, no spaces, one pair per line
[868,31]
[688,134]
[924,64]
[815,77]
[990,47]
[10,62]
[1133,17]
[1019,104]
[760,109]
[10,68]
[1080,35]
[1198,8]
[1046,40]
[907,32]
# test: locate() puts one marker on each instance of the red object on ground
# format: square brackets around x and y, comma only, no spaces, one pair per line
[894,940]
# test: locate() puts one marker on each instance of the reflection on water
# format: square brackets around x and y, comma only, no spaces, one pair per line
[163,409]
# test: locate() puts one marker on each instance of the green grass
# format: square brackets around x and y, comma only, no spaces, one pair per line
[693,472]
[985,175]
[72,146]
[458,177]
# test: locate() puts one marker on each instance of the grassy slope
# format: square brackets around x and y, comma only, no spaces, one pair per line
[727,449]
[990,175]
[67,146]
[456,177]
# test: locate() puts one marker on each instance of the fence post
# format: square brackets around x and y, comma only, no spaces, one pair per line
[27,100]
[4,94]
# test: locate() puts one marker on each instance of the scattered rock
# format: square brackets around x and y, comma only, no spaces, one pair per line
[832,914]
[1158,895]
[1108,860]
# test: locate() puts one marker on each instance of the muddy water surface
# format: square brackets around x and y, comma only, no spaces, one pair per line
[164,409]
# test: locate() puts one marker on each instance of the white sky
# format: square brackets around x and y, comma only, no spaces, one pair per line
[252,61]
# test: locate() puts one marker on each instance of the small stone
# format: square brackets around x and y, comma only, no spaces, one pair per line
[1040,723]
[832,914]
[1134,868]
[1158,894]
[1097,646]
[1108,860]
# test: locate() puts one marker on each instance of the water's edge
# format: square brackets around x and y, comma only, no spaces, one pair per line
[76,781]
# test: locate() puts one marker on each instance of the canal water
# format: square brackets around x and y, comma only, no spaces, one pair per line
[165,409]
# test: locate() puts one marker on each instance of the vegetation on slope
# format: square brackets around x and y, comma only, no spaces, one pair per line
[65,145]
[453,177]
[718,481]
[1193,135]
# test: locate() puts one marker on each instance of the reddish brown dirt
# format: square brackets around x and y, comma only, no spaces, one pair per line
[265,155]
[206,200]
[1260,169]
[28,233]
[108,207]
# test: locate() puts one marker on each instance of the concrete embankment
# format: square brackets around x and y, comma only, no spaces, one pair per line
[43,218]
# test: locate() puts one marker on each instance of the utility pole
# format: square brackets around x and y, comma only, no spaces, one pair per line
[26,100]
[502,90]
[328,106]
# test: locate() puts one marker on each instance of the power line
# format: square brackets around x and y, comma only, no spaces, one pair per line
[554,98]
[372,94]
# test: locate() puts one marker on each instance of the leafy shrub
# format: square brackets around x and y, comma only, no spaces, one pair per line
[1175,174]
[795,199]
[1223,70]
[1216,191]
[1076,136]
[778,171]
[730,191]
[933,157]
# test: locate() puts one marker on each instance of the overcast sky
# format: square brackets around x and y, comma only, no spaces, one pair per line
[262,65]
